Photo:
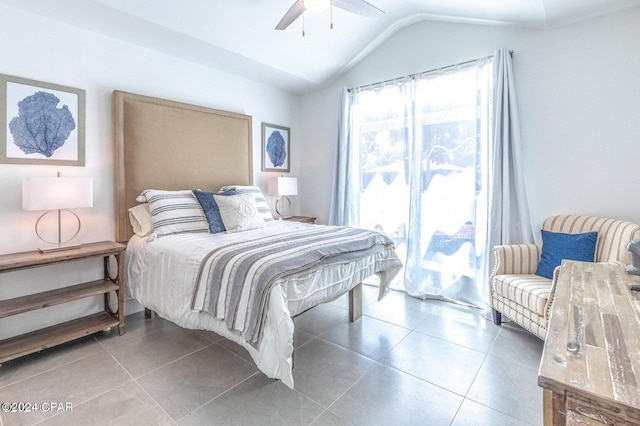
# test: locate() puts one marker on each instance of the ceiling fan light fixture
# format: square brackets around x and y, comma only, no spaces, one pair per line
[317,5]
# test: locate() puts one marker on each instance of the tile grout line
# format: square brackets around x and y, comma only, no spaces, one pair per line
[219,395]
[132,379]
[135,379]
[487,355]
[189,354]
[327,408]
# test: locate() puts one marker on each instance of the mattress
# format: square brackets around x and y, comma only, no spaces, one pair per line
[161,274]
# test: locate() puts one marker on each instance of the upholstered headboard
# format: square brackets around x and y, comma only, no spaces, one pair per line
[161,144]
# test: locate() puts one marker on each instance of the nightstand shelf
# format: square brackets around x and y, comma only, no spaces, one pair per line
[55,297]
[44,338]
[54,335]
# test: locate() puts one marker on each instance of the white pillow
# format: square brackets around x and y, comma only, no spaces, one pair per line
[140,218]
[239,212]
[175,212]
[261,203]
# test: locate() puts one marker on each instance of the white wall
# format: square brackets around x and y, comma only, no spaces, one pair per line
[40,49]
[578,93]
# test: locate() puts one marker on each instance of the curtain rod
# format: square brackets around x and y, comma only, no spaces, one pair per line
[411,76]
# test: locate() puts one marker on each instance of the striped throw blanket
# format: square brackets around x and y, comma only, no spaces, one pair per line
[241,275]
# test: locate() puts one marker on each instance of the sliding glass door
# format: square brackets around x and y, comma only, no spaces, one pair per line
[420,148]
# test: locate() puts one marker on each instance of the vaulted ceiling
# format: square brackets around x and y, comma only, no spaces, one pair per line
[238,36]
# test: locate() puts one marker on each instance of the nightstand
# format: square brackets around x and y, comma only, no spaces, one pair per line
[303,219]
[44,338]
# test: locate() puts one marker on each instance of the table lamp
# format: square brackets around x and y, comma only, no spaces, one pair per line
[283,186]
[57,194]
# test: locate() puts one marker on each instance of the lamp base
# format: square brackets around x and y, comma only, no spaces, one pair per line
[60,245]
[59,248]
[279,202]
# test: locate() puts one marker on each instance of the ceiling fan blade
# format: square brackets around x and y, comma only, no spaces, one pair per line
[359,7]
[292,14]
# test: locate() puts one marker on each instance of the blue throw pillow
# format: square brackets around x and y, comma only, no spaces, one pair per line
[211,209]
[557,246]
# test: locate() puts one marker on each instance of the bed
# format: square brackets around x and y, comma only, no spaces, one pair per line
[167,150]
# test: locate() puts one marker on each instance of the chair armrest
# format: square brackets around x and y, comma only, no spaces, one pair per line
[515,259]
[552,293]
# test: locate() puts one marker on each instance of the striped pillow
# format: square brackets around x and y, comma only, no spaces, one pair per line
[174,212]
[261,203]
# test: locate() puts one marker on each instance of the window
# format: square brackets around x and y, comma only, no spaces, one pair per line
[420,148]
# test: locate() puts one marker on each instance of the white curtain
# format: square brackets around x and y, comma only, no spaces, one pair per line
[418,160]
[448,202]
[344,196]
[510,222]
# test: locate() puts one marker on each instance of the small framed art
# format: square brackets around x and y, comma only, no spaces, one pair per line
[42,123]
[275,148]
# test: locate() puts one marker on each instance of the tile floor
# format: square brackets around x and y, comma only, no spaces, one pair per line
[405,362]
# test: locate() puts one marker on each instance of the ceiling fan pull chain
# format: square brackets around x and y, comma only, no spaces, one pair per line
[302,24]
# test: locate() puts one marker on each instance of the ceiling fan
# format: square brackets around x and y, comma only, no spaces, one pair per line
[359,7]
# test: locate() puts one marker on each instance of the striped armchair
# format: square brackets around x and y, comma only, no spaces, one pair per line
[526,298]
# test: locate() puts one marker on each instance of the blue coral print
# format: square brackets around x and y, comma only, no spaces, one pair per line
[40,126]
[276,149]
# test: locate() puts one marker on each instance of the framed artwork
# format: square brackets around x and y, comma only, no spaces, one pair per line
[42,123]
[275,148]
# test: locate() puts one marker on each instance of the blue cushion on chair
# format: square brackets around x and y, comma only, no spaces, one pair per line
[557,246]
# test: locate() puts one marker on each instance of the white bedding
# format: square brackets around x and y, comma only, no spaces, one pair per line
[161,274]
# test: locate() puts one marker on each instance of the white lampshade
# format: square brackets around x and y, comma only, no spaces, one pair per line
[317,5]
[55,193]
[283,186]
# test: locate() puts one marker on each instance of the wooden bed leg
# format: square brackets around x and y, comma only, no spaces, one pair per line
[148,313]
[355,303]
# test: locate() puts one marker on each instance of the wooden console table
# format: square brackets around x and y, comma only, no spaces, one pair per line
[590,365]
[38,340]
